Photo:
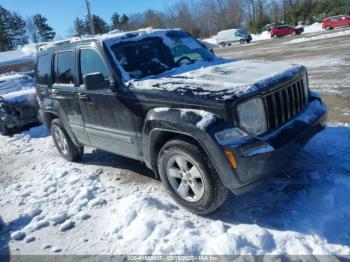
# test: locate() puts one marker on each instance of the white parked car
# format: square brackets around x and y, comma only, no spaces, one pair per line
[227,37]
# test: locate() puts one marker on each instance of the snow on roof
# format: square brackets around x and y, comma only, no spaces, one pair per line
[27,52]
[112,36]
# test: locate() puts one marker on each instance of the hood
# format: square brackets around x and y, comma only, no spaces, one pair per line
[22,97]
[221,80]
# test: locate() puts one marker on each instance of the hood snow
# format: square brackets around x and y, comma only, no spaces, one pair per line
[17,88]
[224,79]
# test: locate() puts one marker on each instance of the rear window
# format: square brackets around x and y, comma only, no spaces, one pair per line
[43,74]
[64,67]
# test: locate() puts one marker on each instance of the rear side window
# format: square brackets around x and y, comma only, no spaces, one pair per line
[43,74]
[91,62]
[64,67]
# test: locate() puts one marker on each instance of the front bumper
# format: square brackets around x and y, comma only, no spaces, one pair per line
[19,116]
[260,157]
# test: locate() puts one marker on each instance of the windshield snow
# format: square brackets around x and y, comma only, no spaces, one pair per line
[154,55]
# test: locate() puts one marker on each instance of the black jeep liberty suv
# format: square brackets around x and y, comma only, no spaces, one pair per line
[204,124]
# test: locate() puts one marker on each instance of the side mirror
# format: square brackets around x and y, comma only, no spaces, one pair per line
[95,81]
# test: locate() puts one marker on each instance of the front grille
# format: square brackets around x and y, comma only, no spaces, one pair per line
[284,103]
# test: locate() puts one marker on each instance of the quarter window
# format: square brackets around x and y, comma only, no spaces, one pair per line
[91,62]
[64,67]
[43,69]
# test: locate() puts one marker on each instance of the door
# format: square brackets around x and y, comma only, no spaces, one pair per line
[43,81]
[282,31]
[289,30]
[343,21]
[108,121]
[338,21]
[63,93]
[237,36]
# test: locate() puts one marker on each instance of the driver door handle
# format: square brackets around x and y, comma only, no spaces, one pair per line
[84,97]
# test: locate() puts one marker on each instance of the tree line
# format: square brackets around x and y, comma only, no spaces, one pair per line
[203,18]
[82,25]
[15,31]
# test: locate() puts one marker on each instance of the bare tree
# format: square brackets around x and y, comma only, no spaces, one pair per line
[32,30]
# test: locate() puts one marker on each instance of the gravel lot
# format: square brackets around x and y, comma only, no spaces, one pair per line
[326,55]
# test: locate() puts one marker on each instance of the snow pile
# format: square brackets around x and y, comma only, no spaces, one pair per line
[103,206]
[319,37]
[211,42]
[263,36]
[314,28]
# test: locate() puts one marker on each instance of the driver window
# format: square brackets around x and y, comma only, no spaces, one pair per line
[91,62]
[237,34]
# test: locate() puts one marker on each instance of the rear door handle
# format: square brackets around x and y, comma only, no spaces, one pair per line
[84,97]
[55,92]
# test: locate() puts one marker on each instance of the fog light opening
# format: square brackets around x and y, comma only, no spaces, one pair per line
[231,158]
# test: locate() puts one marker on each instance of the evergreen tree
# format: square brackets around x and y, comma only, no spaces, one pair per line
[115,21]
[100,25]
[45,32]
[6,34]
[119,22]
[80,27]
[18,27]
[124,20]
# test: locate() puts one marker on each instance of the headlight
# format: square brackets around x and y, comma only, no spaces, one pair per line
[252,116]
[306,87]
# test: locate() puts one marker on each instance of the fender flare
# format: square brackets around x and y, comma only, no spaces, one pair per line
[198,125]
[59,113]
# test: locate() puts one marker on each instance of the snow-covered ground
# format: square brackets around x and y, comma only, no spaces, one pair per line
[107,204]
[322,36]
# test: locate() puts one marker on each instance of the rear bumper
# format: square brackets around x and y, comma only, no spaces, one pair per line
[261,157]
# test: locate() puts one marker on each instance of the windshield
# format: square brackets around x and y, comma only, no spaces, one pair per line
[151,56]
[242,32]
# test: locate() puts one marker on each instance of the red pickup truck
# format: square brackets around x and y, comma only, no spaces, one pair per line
[336,21]
[283,30]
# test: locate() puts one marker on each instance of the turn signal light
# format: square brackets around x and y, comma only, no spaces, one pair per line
[231,158]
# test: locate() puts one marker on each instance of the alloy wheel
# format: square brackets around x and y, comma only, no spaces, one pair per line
[61,140]
[185,178]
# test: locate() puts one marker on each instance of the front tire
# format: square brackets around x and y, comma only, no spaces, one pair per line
[189,177]
[328,27]
[63,142]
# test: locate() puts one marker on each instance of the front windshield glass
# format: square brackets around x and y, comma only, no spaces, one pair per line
[242,32]
[151,56]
